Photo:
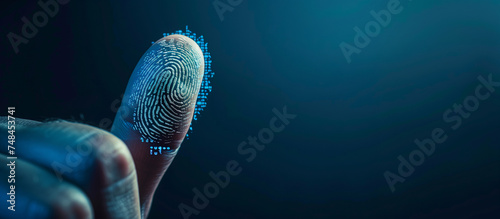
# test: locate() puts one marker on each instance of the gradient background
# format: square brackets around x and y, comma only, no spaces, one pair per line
[353,120]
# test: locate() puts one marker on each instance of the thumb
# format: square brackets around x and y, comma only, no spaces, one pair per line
[157,108]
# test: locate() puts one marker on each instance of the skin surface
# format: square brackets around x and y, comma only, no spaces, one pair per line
[72,170]
[162,94]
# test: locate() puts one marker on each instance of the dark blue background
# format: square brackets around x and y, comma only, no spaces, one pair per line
[353,120]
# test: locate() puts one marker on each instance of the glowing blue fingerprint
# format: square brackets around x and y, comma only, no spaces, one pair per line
[205,88]
[164,92]
[169,76]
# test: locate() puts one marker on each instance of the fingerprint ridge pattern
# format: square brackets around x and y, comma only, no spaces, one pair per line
[208,74]
[168,80]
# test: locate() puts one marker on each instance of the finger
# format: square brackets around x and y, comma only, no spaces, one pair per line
[90,158]
[158,106]
[36,193]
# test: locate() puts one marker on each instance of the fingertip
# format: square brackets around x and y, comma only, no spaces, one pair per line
[162,93]
[184,39]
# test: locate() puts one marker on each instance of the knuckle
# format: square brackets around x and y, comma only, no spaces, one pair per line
[72,203]
[112,157]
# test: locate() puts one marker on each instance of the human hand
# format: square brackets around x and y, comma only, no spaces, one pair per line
[71,170]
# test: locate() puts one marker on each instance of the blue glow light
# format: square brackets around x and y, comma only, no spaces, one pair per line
[155,150]
[205,88]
